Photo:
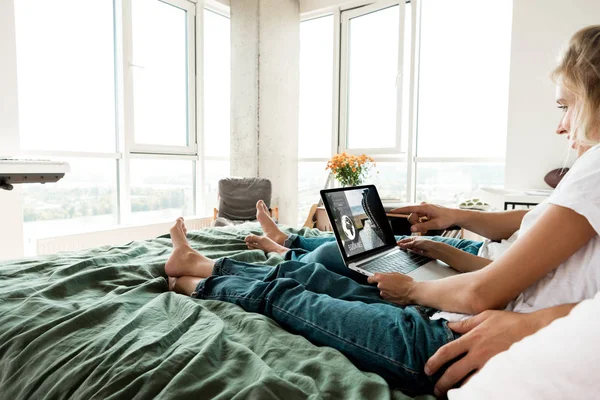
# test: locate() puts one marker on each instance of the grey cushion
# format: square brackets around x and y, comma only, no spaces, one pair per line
[238,197]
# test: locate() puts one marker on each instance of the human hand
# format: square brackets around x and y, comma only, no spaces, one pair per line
[484,336]
[423,246]
[437,217]
[394,287]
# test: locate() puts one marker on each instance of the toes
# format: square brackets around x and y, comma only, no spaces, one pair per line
[265,208]
[252,238]
[172,282]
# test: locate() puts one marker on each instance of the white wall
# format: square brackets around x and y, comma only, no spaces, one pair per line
[541,29]
[265,63]
[11,211]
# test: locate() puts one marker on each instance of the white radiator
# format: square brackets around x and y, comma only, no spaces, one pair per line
[112,237]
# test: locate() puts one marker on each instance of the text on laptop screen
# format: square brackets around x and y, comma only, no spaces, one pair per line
[354,213]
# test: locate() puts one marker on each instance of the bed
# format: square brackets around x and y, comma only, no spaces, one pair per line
[100,324]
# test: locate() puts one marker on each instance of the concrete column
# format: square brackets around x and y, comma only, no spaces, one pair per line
[265,57]
[11,207]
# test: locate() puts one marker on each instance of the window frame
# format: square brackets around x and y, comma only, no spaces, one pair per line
[345,18]
[128,66]
[125,148]
[339,134]
[201,176]
[335,12]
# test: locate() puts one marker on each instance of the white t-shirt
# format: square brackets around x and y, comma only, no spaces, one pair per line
[492,250]
[578,278]
[557,362]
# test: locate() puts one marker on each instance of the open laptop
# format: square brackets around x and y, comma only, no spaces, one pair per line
[365,237]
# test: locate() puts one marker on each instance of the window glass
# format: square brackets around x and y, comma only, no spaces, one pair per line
[311,179]
[372,73]
[390,179]
[213,172]
[464,76]
[316,88]
[217,75]
[161,189]
[160,84]
[452,183]
[84,200]
[66,80]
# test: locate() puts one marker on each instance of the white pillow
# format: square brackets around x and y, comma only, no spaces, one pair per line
[560,361]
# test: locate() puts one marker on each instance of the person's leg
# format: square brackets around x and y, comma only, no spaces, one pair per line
[307,243]
[314,277]
[391,341]
[184,260]
[269,227]
[328,254]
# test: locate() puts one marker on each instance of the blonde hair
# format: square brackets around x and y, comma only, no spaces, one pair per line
[579,72]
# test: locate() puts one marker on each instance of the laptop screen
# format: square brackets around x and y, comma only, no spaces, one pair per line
[359,219]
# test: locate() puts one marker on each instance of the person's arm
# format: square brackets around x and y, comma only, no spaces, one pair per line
[537,252]
[457,259]
[492,225]
[484,336]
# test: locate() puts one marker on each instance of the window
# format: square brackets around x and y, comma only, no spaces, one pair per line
[117,101]
[424,114]
[460,119]
[449,182]
[375,91]
[463,45]
[160,77]
[372,73]
[161,189]
[66,81]
[316,109]
[84,200]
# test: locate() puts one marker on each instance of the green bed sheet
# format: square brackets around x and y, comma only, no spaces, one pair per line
[101,324]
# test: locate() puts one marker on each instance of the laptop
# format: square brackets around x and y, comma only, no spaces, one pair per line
[365,238]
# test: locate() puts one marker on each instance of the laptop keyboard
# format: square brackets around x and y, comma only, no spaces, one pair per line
[403,262]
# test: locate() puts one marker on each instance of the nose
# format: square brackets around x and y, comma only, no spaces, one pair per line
[560,130]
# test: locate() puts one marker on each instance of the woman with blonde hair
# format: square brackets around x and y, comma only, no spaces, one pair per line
[389,327]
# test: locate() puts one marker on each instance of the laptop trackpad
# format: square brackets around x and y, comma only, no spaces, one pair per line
[431,271]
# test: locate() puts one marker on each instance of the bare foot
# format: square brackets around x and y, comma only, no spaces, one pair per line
[269,226]
[172,283]
[184,260]
[265,244]
[184,284]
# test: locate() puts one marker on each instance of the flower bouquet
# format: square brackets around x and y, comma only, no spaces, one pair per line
[350,170]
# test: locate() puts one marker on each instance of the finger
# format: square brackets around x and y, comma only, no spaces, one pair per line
[454,374]
[466,325]
[413,246]
[413,218]
[374,278]
[424,226]
[409,210]
[407,239]
[446,353]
